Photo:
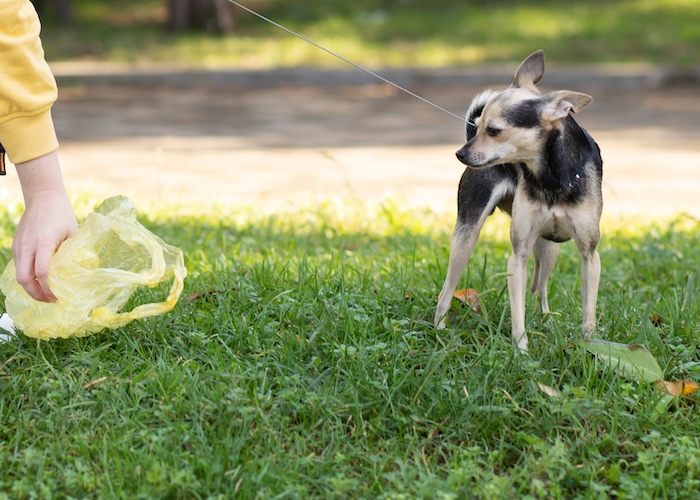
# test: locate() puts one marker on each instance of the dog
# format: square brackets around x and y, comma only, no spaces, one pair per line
[526,155]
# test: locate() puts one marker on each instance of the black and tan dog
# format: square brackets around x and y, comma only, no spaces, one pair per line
[526,155]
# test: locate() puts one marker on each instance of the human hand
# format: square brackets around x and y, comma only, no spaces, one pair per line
[48,220]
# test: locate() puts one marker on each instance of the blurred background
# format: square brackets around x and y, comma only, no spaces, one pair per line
[216,33]
[200,102]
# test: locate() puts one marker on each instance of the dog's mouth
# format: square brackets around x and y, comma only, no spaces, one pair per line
[475,161]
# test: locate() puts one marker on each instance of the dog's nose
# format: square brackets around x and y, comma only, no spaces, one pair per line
[461,155]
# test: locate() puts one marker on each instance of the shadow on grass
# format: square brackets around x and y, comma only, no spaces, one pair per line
[301,360]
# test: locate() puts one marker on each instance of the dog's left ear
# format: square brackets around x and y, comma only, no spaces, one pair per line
[530,71]
[558,105]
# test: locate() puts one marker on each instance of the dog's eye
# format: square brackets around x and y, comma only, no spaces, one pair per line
[492,131]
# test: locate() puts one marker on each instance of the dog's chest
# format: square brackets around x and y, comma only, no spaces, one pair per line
[557,222]
[552,188]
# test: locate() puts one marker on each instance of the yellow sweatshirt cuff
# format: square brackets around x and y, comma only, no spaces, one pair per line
[26,137]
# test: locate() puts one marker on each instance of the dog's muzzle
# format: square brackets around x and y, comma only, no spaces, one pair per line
[477,160]
[462,155]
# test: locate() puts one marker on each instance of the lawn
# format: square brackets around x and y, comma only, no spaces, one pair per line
[301,362]
[389,33]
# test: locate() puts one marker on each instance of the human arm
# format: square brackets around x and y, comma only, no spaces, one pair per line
[27,93]
[47,221]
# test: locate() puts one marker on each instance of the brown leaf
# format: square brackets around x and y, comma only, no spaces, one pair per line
[656,320]
[680,388]
[689,387]
[470,297]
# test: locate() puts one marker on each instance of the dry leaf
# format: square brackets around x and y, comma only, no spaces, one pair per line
[656,320]
[549,391]
[470,297]
[680,388]
[95,382]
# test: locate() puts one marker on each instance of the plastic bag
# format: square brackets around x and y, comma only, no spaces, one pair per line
[93,275]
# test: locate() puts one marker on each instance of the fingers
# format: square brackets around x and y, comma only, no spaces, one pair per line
[41,270]
[33,272]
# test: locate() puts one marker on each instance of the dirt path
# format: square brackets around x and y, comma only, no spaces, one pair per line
[273,147]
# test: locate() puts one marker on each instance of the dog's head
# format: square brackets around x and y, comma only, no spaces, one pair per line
[515,123]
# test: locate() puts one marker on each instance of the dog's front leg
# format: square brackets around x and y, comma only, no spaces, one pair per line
[590,278]
[522,239]
[517,278]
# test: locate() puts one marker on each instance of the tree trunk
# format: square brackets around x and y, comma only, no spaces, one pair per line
[63,9]
[203,15]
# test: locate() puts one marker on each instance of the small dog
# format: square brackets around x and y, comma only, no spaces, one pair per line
[526,155]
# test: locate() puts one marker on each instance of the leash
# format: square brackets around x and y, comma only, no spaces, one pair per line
[362,68]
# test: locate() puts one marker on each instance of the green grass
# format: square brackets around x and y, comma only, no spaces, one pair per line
[390,33]
[308,368]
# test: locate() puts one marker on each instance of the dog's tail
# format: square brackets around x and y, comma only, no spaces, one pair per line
[475,109]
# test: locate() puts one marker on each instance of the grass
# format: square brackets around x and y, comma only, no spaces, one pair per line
[306,366]
[390,33]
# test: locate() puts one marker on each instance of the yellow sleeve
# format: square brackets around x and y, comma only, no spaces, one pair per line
[27,86]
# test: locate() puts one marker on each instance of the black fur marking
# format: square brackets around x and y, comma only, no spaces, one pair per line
[471,126]
[525,115]
[563,177]
[475,189]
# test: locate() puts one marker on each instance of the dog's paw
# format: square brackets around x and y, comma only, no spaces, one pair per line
[522,345]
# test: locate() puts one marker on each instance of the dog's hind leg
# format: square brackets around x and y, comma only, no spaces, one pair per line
[546,253]
[463,242]
[479,193]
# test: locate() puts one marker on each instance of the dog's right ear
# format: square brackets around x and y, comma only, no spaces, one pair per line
[558,104]
[530,71]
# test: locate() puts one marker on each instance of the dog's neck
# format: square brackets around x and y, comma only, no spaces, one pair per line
[559,174]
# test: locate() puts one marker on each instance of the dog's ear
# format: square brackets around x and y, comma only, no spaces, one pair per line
[557,105]
[530,71]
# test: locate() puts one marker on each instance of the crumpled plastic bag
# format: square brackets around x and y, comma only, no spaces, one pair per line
[93,275]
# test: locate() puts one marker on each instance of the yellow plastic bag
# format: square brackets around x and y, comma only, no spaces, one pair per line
[94,273]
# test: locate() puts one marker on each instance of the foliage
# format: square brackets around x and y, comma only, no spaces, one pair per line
[302,363]
[390,33]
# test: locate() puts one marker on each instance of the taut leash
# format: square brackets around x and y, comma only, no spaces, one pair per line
[362,68]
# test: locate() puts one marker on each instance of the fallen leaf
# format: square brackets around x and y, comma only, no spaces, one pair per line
[656,320]
[632,360]
[680,388]
[689,387]
[549,391]
[95,382]
[470,297]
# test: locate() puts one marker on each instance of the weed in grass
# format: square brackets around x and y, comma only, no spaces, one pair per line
[301,362]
